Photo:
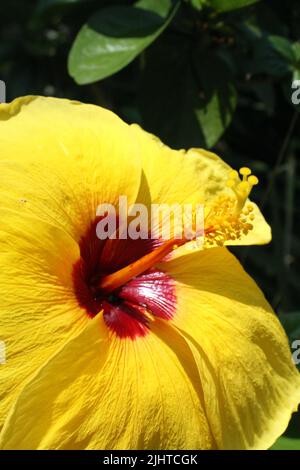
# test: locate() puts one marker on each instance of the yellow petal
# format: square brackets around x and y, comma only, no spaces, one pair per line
[59,160]
[176,176]
[250,384]
[102,392]
[195,177]
[38,309]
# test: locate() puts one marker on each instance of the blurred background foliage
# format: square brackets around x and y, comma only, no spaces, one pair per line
[211,73]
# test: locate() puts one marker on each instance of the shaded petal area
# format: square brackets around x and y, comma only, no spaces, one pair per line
[100,392]
[250,384]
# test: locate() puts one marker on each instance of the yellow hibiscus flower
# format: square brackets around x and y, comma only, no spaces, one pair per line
[171,352]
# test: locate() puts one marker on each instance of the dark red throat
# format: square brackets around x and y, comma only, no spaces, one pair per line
[128,309]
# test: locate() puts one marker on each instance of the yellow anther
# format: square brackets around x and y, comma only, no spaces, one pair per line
[230,183]
[245,171]
[229,218]
[253,180]
[233,175]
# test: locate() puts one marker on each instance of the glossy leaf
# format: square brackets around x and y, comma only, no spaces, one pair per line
[114,36]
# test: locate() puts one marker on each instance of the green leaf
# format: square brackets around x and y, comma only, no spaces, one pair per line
[296,50]
[273,55]
[185,104]
[283,47]
[227,5]
[114,36]
[162,8]
[215,110]
[286,443]
[199,4]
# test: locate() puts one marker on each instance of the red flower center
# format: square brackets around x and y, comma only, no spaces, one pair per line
[103,282]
